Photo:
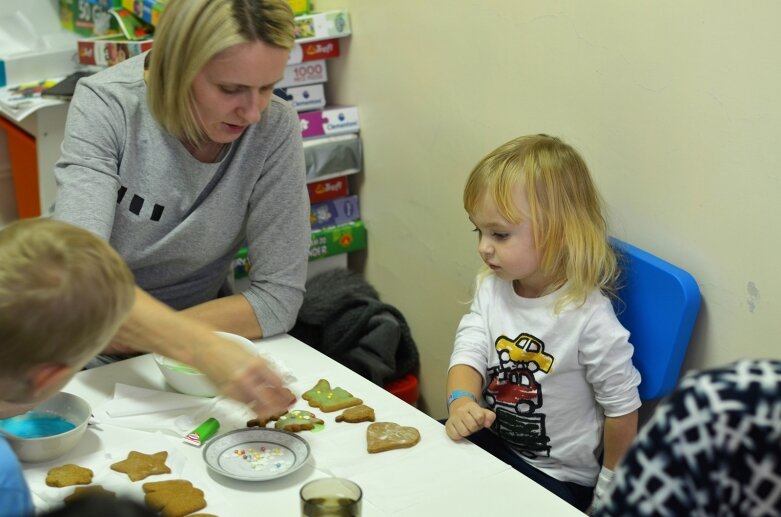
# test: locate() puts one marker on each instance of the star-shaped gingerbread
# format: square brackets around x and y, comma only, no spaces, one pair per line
[139,465]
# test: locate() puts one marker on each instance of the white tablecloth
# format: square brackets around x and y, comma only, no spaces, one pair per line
[435,477]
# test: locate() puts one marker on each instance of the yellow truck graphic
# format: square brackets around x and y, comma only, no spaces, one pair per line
[526,350]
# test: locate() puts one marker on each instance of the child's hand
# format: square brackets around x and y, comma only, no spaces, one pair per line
[467,417]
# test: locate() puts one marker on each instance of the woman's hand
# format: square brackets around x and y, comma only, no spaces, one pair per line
[244,377]
[467,417]
[155,327]
[117,348]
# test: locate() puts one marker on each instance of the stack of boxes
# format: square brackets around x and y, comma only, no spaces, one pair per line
[147,10]
[112,30]
[332,145]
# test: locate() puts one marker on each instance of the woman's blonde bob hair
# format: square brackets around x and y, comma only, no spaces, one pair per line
[566,211]
[189,35]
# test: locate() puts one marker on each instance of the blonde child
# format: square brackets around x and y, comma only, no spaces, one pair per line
[63,294]
[541,372]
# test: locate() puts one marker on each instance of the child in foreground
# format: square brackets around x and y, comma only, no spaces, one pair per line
[63,295]
[541,374]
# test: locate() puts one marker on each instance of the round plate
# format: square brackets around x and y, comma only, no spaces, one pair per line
[256,454]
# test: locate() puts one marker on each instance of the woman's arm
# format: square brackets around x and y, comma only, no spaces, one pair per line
[230,314]
[278,228]
[87,170]
[154,327]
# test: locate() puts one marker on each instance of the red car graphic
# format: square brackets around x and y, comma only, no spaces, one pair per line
[516,389]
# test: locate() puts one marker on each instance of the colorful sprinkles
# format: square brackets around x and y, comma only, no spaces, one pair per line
[264,458]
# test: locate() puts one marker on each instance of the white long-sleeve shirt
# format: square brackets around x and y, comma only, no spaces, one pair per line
[550,378]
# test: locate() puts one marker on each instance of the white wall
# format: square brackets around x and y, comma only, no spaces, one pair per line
[673,105]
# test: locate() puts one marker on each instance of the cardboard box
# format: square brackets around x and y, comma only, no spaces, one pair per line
[331,188]
[303,98]
[304,73]
[333,156]
[335,120]
[338,239]
[317,26]
[89,18]
[325,49]
[300,6]
[147,10]
[31,66]
[110,51]
[326,242]
[334,212]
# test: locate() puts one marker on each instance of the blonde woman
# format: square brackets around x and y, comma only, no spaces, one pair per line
[541,373]
[176,156]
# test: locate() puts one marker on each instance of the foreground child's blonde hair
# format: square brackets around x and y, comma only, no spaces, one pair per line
[189,34]
[63,294]
[566,211]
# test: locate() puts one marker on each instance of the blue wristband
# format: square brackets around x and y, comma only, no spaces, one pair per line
[457,394]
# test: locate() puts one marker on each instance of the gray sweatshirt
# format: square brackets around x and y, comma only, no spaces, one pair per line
[179,222]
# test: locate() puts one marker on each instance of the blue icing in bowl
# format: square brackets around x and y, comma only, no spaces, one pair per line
[36,425]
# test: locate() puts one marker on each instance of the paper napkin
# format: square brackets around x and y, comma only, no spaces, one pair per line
[173,414]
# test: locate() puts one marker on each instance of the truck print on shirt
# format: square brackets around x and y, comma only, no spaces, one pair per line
[516,397]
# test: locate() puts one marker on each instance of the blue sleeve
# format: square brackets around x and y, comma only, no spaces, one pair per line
[15,500]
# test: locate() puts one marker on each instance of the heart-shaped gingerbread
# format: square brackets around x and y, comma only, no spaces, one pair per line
[385,436]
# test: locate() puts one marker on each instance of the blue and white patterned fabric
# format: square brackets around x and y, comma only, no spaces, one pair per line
[712,449]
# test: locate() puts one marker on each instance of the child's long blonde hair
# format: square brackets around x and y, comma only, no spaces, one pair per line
[566,211]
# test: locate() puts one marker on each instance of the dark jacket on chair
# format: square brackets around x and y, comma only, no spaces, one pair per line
[342,317]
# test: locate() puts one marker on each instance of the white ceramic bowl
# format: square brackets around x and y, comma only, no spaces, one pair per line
[74,409]
[186,379]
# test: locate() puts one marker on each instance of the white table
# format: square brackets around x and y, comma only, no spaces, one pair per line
[435,477]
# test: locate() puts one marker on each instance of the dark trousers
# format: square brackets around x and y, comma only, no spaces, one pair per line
[577,495]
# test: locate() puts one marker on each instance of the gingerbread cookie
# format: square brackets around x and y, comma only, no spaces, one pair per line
[385,436]
[261,422]
[329,399]
[298,420]
[362,413]
[91,491]
[139,465]
[173,498]
[68,475]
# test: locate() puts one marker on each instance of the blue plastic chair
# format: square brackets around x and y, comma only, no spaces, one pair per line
[658,303]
